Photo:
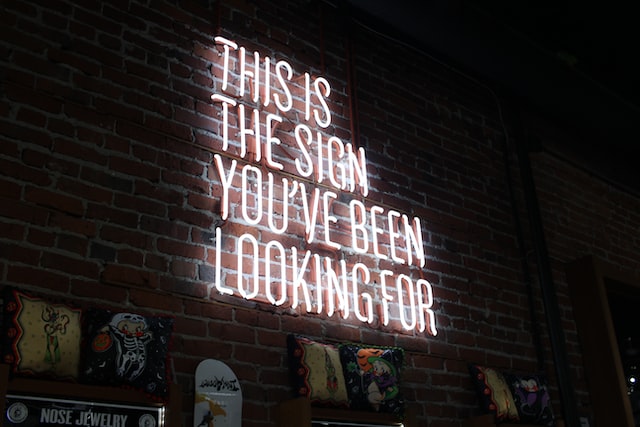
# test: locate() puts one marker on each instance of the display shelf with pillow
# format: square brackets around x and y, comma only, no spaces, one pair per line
[41,376]
[22,399]
[344,384]
[508,399]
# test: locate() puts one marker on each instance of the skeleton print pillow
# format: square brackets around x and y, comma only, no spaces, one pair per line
[127,349]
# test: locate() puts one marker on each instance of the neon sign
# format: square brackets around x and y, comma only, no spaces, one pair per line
[357,256]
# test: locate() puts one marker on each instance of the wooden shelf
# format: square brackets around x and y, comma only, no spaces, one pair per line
[70,390]
[488,420]
[299,413]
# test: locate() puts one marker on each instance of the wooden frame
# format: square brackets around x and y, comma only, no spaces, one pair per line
[587,278]
[488,420]
[299,413]
[60,389]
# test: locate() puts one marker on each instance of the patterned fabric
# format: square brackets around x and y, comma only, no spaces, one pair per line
[494,393]
[127,349]
[372,375]
[532,398]
[316,371]
[40,338]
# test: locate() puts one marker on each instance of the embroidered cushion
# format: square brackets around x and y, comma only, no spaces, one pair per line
[494,393]
[40,338]
[531,396]
[127,349]
[317,371]
[372,375]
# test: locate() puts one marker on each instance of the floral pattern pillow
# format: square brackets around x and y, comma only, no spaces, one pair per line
[317,371]
[372,375]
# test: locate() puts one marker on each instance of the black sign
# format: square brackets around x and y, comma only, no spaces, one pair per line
[28,411]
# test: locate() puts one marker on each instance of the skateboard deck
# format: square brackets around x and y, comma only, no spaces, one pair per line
[218,397]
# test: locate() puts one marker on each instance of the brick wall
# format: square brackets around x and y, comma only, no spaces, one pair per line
[111,195]
[584,215]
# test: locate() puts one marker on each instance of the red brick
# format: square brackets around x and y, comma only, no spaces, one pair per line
[183,269]
[87,192]
[188,182]
[119,109]
[54,200]
[170,128]
[208,349]
[155,301]
[208,310]
[72,266]
[179,248]
[98,291]
[40,277]
[131,257]
[9,189]
[121,275]
[135,168]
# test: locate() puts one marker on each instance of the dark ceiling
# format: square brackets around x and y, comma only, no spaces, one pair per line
[574,63]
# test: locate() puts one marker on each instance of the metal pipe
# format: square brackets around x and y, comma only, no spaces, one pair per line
[550,300]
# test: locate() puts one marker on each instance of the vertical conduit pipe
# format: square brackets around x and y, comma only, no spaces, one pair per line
[526,272]
[351,79]
[322,41]
[552,310]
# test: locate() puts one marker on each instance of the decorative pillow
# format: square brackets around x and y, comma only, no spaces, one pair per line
[532,398]
[372,375]
[317,371]
[127,349]
[40,337]
[494,393]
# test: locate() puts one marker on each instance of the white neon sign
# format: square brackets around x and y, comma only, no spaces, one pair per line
[279,196]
